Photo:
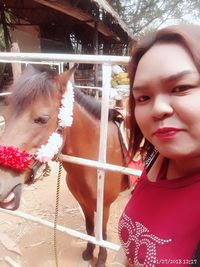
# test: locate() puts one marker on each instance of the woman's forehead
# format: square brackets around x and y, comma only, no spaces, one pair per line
[163,60]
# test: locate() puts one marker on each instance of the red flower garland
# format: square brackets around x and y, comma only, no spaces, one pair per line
[14,158]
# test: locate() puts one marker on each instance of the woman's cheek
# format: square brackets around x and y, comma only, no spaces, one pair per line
[140,117]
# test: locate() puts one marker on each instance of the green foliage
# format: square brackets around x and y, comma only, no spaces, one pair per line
[2,34]
[146,15]
[2,41]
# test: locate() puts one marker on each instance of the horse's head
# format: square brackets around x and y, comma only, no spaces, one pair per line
[33,126]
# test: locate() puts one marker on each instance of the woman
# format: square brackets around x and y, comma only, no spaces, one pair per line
[160,225]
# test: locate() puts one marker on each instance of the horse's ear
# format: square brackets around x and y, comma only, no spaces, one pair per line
[65,76]
[30,69]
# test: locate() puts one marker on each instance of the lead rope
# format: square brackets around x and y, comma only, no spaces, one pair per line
[56,213]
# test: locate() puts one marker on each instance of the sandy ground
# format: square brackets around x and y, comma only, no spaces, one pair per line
[33,243]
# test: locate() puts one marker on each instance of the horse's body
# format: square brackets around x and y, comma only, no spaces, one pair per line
[31,126]
[82,140]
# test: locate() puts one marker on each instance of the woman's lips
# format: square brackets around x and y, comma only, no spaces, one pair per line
[166,132]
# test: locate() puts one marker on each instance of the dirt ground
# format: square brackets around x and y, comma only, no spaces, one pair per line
[29,244]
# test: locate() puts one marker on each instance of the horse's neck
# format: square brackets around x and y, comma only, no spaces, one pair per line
[83,132]
[83,119]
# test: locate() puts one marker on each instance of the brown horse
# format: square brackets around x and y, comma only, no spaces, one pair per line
[31,118]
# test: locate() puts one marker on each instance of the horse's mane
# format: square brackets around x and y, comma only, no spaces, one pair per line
[32,84]
[91,105]
[35,83]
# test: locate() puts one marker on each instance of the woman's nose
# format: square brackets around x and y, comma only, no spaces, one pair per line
[162,107]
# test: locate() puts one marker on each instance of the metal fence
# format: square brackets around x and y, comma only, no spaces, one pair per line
[101,165]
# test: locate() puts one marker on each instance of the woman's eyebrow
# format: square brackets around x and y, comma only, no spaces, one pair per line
[177,76]
[137,88]
[172,78]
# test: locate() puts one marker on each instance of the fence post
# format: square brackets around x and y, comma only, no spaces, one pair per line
[106,73]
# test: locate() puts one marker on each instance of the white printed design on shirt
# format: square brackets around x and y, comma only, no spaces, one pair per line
[140,245]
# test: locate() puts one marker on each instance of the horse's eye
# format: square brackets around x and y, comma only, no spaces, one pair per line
[41,120]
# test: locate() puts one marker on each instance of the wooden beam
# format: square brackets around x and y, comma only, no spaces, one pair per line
[77,13]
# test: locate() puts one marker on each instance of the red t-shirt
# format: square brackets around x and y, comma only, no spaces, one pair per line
[160,225]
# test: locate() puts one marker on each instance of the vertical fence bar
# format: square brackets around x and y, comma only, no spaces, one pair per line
[58,59]
[61,67]
[106,78]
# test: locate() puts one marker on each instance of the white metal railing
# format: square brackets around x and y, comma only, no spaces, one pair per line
[53,58]
[101,165]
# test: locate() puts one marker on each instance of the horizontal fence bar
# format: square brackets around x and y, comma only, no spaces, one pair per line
[53,59]
[88,87]
[25,62]
[99,165]
[5,94]
[61,228]
[86,59]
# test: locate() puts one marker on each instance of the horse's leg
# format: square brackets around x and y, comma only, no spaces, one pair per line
[89,222]
[102,256]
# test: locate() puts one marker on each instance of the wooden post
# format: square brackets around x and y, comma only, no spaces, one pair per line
[16,67]
[96,52]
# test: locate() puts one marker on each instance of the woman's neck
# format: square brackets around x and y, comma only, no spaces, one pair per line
[176,168]
[184,167]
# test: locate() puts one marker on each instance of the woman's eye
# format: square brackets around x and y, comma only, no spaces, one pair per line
[41,119]
[181,88]
[142,98]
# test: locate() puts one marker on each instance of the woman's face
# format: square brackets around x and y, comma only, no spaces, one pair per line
[167,96]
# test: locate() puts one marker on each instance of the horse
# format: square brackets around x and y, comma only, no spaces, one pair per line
[31,117]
